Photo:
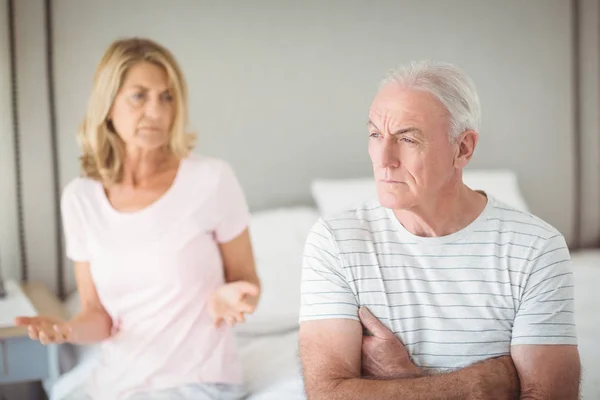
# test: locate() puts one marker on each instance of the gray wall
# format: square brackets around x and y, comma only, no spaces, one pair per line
[590,120]
[282,91]
[276,84]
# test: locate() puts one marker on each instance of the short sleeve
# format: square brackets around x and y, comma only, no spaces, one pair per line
[232,211]
[73,226]
[325,292]
[546,311]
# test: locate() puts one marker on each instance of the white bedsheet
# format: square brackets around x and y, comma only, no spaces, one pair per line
[272,367]
[271,362]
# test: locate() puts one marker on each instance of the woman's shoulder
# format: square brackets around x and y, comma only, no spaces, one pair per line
[202,162]
[204,168]
[79,188]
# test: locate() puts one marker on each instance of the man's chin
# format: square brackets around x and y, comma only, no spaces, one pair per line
[394,201]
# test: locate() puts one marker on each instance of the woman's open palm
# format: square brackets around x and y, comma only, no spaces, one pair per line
[231,301]
[45,329]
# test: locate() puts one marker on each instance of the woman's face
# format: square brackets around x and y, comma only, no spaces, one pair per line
[143,111]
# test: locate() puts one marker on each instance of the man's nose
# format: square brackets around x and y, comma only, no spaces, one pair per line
[389,155]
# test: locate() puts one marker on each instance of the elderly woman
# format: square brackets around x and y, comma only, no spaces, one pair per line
[159,239]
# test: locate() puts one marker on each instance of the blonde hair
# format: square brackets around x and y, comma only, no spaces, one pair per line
[102,149]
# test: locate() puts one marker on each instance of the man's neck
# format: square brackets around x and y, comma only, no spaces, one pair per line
[444,216]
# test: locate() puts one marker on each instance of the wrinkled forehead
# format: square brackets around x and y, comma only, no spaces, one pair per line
[395,104]
[147,75]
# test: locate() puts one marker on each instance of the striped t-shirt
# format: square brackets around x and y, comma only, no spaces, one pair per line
[454,300]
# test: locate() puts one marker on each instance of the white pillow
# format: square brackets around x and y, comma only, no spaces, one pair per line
[278,237]
[336,195]
[333,196]
[500,183]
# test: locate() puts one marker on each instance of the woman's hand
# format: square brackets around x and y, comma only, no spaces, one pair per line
[231,301]
[47,330]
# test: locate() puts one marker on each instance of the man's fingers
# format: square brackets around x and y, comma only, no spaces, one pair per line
[370,322]
[370,345]
[367,341]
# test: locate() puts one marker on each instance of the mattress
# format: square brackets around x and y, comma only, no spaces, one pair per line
[271,368]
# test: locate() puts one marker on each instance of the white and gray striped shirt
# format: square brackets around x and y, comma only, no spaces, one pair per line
[504,280]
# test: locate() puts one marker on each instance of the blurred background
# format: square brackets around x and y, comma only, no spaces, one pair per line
[281,90]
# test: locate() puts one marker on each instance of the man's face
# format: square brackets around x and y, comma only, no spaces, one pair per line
[409,146]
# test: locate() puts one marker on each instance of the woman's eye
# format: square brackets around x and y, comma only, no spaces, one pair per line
[167,97]
[138,96]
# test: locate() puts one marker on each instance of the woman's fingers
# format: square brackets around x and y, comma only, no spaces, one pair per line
[246,308]
[62,333]
[231,315]
[25,321]
[235,318]
[33,332]
[44,337]
[240,318]
[53,334]
[45,329]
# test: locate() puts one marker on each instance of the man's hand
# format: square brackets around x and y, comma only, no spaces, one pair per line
[383,354]
[231,301]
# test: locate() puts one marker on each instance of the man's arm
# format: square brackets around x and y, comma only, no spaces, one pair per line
[544,339]
[331,338]
[548,372]
[330,351]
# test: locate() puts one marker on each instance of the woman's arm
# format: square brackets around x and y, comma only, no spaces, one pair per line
[238,260]
[92,324]
[241,291]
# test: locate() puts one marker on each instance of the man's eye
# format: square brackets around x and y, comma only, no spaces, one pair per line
[408,140]
[374,135]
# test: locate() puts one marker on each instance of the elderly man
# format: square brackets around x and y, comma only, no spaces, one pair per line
[435,291]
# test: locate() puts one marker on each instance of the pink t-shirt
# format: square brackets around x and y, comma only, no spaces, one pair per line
[154,270]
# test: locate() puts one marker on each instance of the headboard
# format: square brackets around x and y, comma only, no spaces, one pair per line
[281,91]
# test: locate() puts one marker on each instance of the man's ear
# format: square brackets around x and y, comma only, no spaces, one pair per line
[466,144]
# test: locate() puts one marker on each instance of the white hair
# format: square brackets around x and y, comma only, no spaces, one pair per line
[449,84]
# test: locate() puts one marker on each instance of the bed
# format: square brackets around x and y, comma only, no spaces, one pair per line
[268,341]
